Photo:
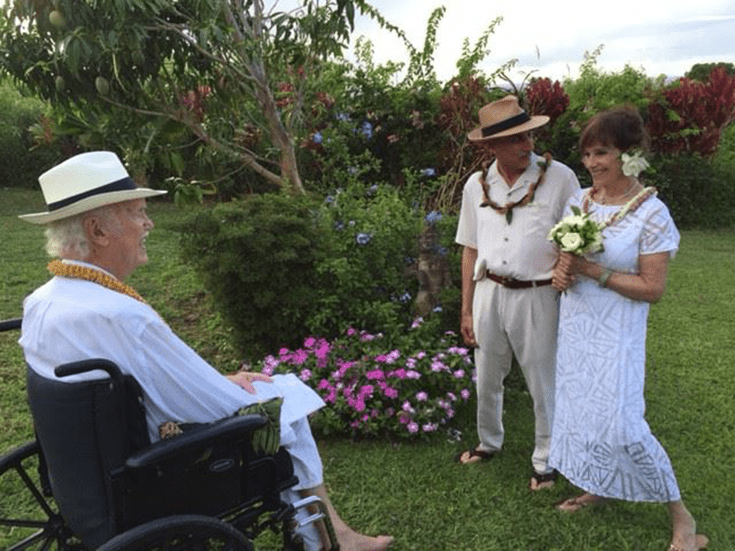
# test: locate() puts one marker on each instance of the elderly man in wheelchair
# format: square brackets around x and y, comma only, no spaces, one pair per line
[147,445]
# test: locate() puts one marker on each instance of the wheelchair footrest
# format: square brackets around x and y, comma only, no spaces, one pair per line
[309,504]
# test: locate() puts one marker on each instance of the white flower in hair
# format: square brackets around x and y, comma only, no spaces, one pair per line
[634,164]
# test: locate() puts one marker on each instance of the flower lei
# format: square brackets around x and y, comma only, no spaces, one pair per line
[507,209]
[59,268]
[630,206]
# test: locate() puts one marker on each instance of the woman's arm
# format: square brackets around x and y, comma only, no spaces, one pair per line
[647,285]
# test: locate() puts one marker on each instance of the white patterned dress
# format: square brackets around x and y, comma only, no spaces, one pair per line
[600,440]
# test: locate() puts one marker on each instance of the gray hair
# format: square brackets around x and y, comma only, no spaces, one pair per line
[66,238]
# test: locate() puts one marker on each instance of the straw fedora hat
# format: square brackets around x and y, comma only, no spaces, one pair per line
[83,183]
[504,117]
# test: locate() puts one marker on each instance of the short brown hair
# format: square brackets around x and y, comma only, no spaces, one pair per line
[620,127]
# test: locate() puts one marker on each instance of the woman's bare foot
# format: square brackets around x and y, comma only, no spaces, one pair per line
[684,530]
[574,504]
[694,542]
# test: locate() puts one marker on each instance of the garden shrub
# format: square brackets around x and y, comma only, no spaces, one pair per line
[373,235]
[20,164]
[698,192]
[417,384]
[258,259]
[281,267]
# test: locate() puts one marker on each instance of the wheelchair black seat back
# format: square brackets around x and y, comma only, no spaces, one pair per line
[102,485]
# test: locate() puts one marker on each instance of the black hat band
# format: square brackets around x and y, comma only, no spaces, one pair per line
[120,185]
[505,125]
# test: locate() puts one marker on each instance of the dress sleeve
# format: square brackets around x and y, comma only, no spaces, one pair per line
[659,231]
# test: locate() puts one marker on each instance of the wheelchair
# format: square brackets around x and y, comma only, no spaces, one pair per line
[92,480]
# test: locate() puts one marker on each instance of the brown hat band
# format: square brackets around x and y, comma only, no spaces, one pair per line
[120,185]
[506,124]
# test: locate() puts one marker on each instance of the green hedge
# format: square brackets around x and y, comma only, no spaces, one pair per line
[281,267]
[20,163]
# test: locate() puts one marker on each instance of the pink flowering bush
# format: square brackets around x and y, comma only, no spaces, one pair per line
[412,388]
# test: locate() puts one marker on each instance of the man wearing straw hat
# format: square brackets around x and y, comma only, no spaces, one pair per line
[509,307]
[96,226]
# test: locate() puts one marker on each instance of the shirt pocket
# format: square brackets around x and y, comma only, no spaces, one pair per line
[539,218]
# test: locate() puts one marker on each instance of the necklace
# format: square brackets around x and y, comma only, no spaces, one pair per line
[507,209]
[59,268]
[604,200]
[630,206]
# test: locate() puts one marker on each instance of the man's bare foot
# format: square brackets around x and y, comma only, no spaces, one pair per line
[574,504]
[353,541]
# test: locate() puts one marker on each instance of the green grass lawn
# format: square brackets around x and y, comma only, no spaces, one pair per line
[415,491]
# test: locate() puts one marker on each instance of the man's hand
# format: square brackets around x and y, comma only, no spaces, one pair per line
[245,379]
[466,328]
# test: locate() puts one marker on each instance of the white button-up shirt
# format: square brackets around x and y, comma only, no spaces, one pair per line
[520,249]
[69,319]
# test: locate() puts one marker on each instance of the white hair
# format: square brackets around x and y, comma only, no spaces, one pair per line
[66,238]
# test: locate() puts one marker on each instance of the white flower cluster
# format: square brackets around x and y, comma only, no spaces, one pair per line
[577,234]
[634,164]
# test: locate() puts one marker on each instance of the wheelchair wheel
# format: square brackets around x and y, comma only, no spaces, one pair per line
[180,533]
[29,519]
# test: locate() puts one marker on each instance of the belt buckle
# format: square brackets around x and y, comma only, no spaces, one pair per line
[506,281]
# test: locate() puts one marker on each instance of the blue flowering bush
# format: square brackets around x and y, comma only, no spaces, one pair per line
[412,386]
[373,236]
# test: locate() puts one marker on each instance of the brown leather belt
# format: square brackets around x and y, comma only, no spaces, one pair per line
[512,283]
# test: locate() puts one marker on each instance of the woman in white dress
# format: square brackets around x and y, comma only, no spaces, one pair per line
[600,439]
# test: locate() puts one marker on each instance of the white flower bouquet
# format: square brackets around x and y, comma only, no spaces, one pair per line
[578,234]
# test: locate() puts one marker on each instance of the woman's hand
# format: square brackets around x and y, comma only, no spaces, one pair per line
[245,379]
[564,272]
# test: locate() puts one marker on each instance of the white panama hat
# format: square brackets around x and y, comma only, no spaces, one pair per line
[83,183]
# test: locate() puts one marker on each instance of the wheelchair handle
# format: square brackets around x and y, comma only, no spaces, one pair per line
[9,325]
[93,364]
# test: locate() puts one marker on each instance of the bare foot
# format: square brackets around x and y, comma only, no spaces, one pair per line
[353,541]
[691,542]
[684,530]
[574,504]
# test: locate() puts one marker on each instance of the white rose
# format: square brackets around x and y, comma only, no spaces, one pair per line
[571,242]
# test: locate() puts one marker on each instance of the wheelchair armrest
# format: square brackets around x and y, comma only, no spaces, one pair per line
[7,325]
[224,429]
[92,364]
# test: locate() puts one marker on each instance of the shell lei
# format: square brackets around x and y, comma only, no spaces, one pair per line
[629,207]
[507,209]
[59,268]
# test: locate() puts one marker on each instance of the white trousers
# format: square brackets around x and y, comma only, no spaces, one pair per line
[307,465]
[521,322]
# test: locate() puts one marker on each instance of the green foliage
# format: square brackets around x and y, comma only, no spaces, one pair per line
[701,71]
[280,266]
[20,162]
[211,67]
[595,90]
[698,192]
[258,259]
